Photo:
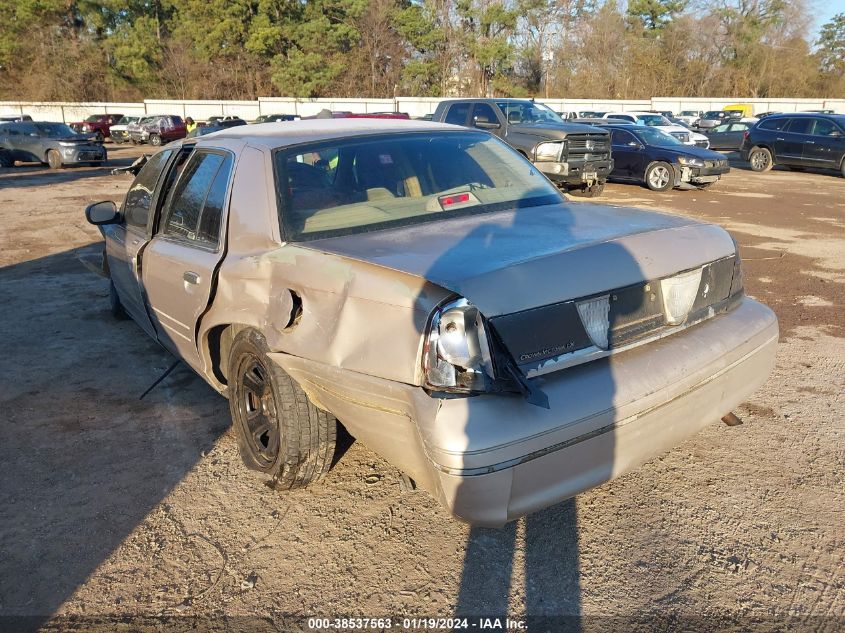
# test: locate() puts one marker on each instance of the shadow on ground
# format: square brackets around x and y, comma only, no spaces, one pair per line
[82,459]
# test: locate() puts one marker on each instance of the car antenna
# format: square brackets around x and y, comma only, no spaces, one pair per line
[160,378]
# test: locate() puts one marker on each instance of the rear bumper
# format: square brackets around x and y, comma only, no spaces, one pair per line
[491,459]
[605,418]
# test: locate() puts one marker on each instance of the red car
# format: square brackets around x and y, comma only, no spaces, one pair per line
[97,124]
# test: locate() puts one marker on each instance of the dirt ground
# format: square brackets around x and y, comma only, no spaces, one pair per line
[116,507]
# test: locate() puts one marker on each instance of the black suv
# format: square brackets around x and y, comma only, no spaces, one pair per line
[796,140]
[575,157]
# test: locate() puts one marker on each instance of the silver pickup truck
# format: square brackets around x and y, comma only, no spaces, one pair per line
[575,157]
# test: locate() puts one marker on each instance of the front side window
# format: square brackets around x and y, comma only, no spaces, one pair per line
[483,113]
[825,127]
[136,209]
[363,184]
[195,204]
[54,130]
[621,137]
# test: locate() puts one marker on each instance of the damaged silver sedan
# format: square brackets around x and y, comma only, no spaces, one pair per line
[428,288]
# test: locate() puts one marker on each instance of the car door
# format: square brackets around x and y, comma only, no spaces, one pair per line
[182,258]
[735,135]
[789,142]
[825,146]
[628,155]
[126,240]
[27,143]
[719,136]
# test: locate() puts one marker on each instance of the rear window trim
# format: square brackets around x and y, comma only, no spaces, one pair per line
[282,198]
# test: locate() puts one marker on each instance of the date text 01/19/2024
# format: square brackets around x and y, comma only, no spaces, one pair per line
[410,624]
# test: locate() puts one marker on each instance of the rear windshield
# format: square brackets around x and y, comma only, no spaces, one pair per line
[363,184]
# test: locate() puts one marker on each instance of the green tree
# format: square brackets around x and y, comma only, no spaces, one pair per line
[654,15]
[831,47]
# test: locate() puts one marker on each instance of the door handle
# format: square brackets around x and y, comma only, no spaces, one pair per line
[810,142]
[191,277]
[136,242]
[778,138]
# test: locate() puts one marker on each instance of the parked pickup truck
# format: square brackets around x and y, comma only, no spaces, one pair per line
[98,125]
[575,157]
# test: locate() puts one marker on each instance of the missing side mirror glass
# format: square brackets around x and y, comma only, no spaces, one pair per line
[104,212]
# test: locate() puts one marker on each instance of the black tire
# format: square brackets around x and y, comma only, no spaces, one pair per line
[760,159]
[117,140]
[99,137]
[155,140]
[279,430]
[133,141]
[5,161]
[54,159]
[588,192]
[841,167]
[115,306]
[660,176]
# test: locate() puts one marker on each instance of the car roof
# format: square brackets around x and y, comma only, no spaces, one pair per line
[807,115]
[287,133]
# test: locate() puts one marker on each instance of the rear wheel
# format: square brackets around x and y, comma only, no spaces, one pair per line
[660,176]
[54,159]
[279,430]
[760,159]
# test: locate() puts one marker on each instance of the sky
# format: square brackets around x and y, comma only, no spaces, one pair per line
[824,11]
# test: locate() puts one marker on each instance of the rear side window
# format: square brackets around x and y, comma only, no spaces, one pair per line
[457,114]
[772,124]
[196,202]
[800,126]
[136,209]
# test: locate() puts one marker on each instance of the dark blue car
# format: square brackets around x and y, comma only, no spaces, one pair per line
[658,160]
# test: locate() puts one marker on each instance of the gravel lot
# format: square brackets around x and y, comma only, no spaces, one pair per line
[115,506]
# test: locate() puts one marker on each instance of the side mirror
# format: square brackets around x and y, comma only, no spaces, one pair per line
[104,212]
[487,125]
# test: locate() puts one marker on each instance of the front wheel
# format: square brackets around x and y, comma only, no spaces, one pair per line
[279,430]
[760,159]
[659,176]
[54,159]
[155,140]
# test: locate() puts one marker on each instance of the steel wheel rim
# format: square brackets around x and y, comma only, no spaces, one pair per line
[659,177]
[759,160]
[257,406]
